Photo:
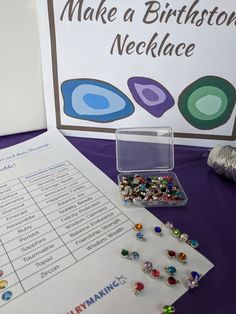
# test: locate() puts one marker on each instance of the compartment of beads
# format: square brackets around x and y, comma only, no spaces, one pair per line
[151,189]
[144,158]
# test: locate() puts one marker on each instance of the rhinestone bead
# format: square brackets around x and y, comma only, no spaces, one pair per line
[138,287]
[191,284]
[171,281]
[147,266]
[6,296]
[193,243]
[171,254]
[124,253]
[138,227]
[182,257]
[155,273]
[140,236]
[3,284]
[196,276]
[134,256]
[171,270]
[169,225]
[184,237]
[168,309]
[176,233]
[158,230]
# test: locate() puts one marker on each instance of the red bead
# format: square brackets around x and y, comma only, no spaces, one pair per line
[139,286]
[171,253]
[172,281]
[155,273]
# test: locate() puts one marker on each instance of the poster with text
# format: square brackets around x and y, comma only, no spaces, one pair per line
[111,64]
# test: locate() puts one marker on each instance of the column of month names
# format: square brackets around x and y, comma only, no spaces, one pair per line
[49,220]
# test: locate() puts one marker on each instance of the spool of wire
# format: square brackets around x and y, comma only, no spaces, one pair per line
[223,160]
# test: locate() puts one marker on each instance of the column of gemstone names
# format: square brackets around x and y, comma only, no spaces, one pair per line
[83,216]
[41,253]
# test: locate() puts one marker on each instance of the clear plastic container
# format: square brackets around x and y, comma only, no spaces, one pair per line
[144,159]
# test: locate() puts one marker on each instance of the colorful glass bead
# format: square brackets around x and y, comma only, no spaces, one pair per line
[1,273]
[6,296]
[140,236]
[138,227]
[168,309]
[147,266]
[169,225]
[3,284]
[171,270]
[138,287]
[182,257]
[155,273]
[183,237]
[124,253]
[171,281]
[176,233]
[158,230]
[196,276]
[134,256]
[193,243]
[191,284]
[171,254]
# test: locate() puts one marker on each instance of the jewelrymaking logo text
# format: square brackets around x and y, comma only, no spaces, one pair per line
[117,282]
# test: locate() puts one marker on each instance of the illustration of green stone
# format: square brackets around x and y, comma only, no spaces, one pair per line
[208,102]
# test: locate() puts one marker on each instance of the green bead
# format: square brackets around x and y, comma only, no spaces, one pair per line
[176,233]
[168,309]
[125,253]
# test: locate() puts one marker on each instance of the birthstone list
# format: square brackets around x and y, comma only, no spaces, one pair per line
[50,220]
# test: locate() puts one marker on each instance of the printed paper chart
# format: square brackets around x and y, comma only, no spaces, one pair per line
[49,221]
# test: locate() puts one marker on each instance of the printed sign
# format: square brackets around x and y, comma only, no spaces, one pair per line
[140,63]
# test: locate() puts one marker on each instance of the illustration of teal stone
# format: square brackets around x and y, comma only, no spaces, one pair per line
[208,102]
[95,100]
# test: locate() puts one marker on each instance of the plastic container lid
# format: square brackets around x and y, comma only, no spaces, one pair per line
[144,149]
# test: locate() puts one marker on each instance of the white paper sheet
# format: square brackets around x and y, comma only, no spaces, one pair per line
[62,228]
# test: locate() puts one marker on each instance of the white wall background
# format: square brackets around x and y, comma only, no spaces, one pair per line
[21,88]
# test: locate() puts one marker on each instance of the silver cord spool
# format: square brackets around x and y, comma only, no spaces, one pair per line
[223,160]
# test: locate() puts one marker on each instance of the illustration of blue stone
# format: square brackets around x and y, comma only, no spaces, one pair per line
[94,100]
[151,95]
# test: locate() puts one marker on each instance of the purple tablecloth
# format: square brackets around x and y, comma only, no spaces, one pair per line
[209,217]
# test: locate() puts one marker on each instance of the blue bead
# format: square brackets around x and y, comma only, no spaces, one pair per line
[171,270]
[196,276]
[7,296]
[134,256]
[194,243]
[157,229]
[139,235]
[143,187]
